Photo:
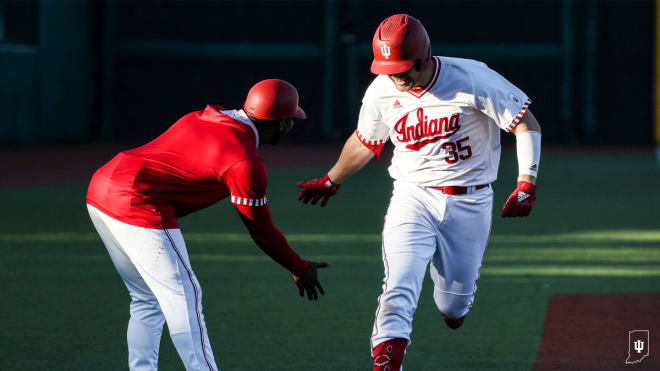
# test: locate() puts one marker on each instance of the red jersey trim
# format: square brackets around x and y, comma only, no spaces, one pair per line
[418,93]
[516,120]
[375,146]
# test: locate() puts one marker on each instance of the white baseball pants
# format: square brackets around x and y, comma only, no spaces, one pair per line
[423,226]
[155,267]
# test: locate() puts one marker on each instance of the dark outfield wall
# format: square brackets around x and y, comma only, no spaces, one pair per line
[136,95]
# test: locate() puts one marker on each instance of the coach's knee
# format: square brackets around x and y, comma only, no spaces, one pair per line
[145,308]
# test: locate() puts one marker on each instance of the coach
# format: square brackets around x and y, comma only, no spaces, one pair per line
[135,200]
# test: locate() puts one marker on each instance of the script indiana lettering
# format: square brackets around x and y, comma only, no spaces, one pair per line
[424,131]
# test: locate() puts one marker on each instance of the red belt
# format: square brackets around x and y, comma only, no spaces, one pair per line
[458,190]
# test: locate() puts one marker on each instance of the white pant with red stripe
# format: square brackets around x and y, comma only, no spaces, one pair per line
[155,267]
[423,226]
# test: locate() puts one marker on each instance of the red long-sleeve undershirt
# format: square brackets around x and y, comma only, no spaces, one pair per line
[247,182]
[269,239]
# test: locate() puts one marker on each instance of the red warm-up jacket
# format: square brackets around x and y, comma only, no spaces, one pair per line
[204,157]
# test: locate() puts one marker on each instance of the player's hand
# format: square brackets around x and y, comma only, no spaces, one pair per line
[316,189]
[521,200]
[309,281]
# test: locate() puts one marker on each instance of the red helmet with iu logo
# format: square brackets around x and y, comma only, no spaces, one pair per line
[398,43]
[273,99]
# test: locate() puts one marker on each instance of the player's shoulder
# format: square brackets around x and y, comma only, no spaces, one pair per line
[379,92]
[471,74]
[463,66]
[379,87]
[462,62]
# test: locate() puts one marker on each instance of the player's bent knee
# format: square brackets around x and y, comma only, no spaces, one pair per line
[455,311]
[453,306]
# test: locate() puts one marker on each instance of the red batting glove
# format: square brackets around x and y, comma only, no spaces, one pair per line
[521,200]
[316,189]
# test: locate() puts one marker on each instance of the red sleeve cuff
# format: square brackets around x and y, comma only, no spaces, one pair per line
[375,146]
[516,120]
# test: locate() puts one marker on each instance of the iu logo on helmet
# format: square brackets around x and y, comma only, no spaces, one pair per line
[385,51]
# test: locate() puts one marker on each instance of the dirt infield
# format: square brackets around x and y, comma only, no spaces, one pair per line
[591,332]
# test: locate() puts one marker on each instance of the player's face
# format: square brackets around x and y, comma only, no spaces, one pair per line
[406,80]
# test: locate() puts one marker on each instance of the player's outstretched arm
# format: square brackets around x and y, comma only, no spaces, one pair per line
[528,150]
[354,156]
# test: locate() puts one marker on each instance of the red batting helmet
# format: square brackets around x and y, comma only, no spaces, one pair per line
[273,99]
[399,42]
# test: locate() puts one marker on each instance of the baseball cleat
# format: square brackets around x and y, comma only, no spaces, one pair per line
[453,323]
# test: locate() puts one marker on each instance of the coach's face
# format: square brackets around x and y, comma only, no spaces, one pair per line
[275,131]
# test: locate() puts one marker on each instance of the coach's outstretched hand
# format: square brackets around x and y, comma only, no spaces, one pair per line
[316,189]
[309,281]
[520,202]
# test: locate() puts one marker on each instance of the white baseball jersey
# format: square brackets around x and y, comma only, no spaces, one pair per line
[448,133]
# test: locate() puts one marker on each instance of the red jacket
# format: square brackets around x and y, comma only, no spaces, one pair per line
[204,157]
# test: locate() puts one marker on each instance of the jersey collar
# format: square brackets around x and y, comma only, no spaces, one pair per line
[241,116]
[419,92]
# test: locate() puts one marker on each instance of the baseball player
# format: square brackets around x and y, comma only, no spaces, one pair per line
[444,117]
[135,200]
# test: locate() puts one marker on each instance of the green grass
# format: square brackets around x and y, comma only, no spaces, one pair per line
[595,229]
